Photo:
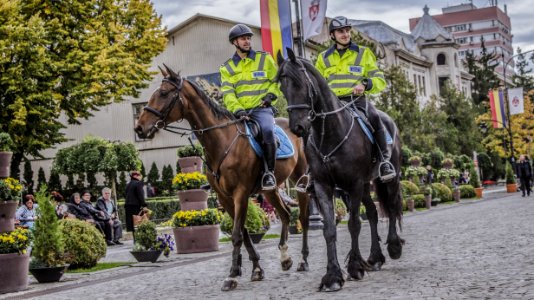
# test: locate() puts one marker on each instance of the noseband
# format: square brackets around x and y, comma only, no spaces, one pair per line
[162,115]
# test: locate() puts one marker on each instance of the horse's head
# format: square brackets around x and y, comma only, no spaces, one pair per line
[300,91]
[164,107]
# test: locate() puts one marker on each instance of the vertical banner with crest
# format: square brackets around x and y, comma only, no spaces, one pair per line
[313,14]
[515,101]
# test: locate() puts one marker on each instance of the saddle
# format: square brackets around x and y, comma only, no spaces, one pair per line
[284,147]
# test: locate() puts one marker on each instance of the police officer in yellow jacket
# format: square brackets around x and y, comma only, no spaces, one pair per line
[351,70]
[249,91]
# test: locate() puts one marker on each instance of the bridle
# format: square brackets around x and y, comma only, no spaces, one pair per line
[162,115]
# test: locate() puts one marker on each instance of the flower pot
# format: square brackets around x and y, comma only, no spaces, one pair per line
[196,199]
[428,201]
[5,163]
[256,237]
[190,164]
[194,239]
[456,195]
[478,192]
[293,229]
[8,209]
[14,272]
[410,203]
[511,188]
[145,256]
[50,274]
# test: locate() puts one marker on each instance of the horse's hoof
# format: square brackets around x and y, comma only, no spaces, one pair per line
[332,288]
[356,275]
[395,249]
[377,266]
[229,284]
[287,264]
[303,267]
[257,275]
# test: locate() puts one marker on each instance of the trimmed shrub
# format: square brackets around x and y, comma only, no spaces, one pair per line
[256,222]
[467,191]
[443,192]
[409,188]
[419,200]
[145,236]
[340,209]
[510,179]
[84,244]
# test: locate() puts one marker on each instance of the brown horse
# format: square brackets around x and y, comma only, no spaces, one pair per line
[234,168]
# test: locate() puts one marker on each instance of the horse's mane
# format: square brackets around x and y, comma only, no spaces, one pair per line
[217,109]
[292,70]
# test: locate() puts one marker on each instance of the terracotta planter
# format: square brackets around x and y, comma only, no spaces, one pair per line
[7,216]
[256,237]
[428,201]
[511,188]
[5,163]
[145,256]
[196,239]
[478,192]
[196,199]
[410,204]
[456,195]
[14,272]
[52,274]
[190,164]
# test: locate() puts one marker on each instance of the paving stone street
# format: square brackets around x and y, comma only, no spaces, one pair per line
[478,249]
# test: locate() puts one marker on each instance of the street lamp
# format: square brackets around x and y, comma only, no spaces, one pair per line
[512,159]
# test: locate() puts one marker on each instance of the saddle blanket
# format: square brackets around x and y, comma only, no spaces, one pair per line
[285,148]
[367,131]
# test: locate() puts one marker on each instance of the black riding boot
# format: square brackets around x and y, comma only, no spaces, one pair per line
[386,171]
[268,181]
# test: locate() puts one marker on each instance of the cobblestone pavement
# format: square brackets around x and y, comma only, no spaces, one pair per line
[474,249]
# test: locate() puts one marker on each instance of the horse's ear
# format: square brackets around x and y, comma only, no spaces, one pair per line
[171,72]
[163,72]
[280,58]
[291,55]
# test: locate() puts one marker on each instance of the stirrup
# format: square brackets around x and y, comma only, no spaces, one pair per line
[388,177]
[303,183]
[268,188]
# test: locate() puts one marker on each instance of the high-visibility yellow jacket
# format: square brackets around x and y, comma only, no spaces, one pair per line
[345,72]
[244,82]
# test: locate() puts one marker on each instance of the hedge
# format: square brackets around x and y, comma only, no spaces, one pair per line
[442,191]
[409,188]
[419,200]
[467,191]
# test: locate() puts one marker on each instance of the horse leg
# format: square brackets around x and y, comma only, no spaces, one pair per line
[376,258]
[356,266]
[240,211]
[390,197]
[333,279]
[283,211]
[253,255]
[304,217]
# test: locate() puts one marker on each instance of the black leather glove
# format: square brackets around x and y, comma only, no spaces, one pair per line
[240,113]
[267,99]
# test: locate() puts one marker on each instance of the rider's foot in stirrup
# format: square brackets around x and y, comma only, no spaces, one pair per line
[268,181]
[387,173]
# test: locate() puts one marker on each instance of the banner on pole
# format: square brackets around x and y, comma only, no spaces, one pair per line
[515,101]
[276,33]
[498,115]
[313,13]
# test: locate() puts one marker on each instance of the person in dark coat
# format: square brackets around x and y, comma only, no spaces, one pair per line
[100,217]
[524,172]
[135,198]
[105,204]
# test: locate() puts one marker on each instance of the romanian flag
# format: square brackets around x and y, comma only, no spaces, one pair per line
[276,32]
[498,114]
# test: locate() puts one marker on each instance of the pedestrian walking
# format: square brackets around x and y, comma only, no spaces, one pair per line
[524,172]
[135,198]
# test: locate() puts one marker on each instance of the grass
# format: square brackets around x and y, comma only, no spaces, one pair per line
[227,239]
[420,208]
[100,267]
[344,222]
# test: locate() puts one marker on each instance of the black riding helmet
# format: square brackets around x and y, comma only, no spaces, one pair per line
[239,30]
[338,23]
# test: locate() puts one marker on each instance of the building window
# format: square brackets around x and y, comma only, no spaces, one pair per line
[137,108]
[415,83]
[442,59]
[462,40]
[460,27]
[420,90]
[455,60]
[424,86]
[442,83]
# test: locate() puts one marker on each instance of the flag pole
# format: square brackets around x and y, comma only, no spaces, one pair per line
[298,38]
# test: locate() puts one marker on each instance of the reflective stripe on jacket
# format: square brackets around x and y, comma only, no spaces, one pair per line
[345,72]
[244,82]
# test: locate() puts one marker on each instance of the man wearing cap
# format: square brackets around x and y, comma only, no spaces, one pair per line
[249,91]
[135,199]
[351,72]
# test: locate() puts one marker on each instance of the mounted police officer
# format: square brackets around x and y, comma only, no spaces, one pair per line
[351,70]
[249,91]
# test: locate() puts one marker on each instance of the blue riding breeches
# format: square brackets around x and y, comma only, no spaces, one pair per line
[265,118]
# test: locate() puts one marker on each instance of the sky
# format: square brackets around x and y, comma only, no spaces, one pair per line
[389,11]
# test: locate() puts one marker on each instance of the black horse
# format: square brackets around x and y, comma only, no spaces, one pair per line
[339,154]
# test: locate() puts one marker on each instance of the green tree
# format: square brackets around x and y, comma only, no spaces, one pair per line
[54,182]
[70,57]
[121,187]
[166,178]
[483,68]
[41,178]
[28,176]
[153,175]
[522,77]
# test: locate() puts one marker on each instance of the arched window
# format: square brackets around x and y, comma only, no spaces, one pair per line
[442,59]
[455,60]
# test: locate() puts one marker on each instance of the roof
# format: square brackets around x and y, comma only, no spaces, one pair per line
[469,16]
[203,16]
[384,33]
[429,29]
